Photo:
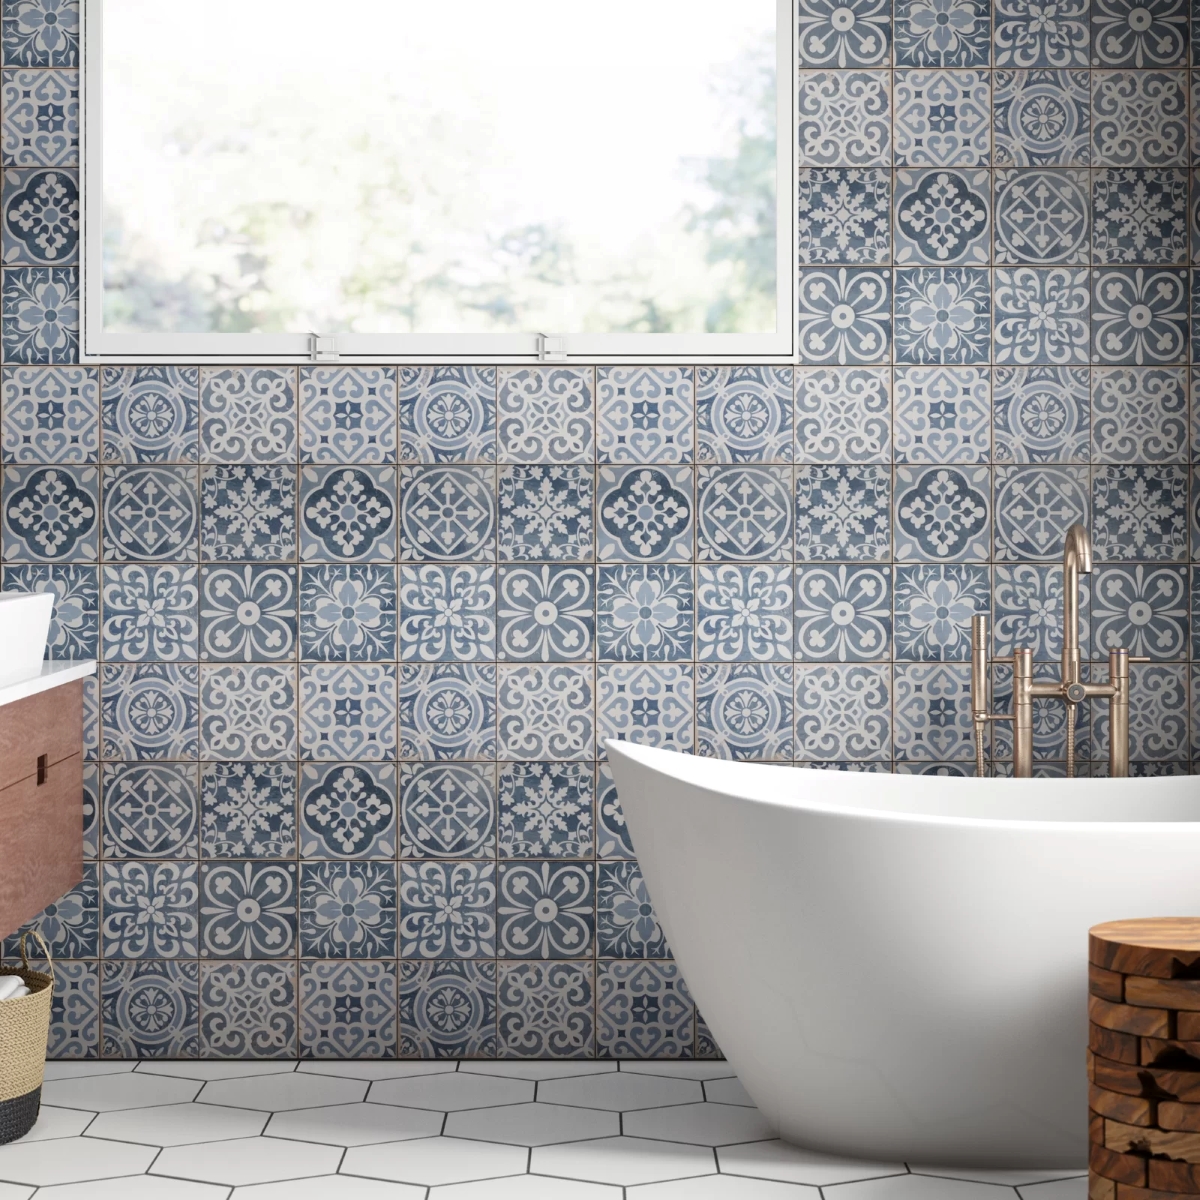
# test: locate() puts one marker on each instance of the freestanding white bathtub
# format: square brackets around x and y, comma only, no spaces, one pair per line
[896,965]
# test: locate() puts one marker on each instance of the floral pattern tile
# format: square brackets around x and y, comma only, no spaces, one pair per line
[545,414]
[347,810]
[150,810]
[843,513]
[1035,506]
[843,613]
[1023,37]
[744,711]
[248,514]
[75,1011]
[1042,117]
[545,711]
[1042,216]
[942,33]
[1152,36]
[645,613]
[41,33]
[1028,610]
[943,315]
[744,414]
[75,622]
[348,514]
[150,514]
[348,910]
[545,910]
[943,513]
[845,35]
[1143,608]
[843,415]
[348,414]
[150,1009]
[1139,415]
[40,126]
[447,614]
[932,704]
[645,514]
[1139,513]
[653,704]
[51,415]
[644,1010]
[447,810]
[447,514]
[448,711]
[1139,118]
[545,810]
[248,910]
[942,414]
[348,712]
[248,810]
[1040,414]
[1024,299]
[845,118]
[40,217]
[71,925]
[943,117]
[612,833]
[447,910]
[150,414]
[843,713]
[40,307]
[247,415]
[1139,215]
[247,613]
[546,1010]
[348,1010]
[545,613]
[448,414]
[845,215]
[743,613]
[645,414]
[447,1009]
[744,513]
[943,216]
[149,910]
[845,315]
[934,605]
[249,711]
[248,1010]
[626,923]
[149,711]
[348,613]
[1139,316]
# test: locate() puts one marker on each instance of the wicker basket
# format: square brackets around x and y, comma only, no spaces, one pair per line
[24,1031]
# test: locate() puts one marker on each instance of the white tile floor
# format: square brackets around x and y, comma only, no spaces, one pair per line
[443,1131]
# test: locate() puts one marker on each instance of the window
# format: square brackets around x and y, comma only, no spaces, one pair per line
[430,180]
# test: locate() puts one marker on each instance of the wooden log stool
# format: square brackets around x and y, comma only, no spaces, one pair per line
[1144,1059]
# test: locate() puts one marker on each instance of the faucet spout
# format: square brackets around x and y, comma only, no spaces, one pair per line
[1077,560]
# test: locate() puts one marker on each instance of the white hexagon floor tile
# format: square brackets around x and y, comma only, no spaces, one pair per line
[1058,1189]
[78,1070]
[247,1160]
[918,1187]
[15,1191]
[679,1070]
[331,1187]
[623,1161]
[450,1093]
[57,1123]
[435,1160]
[232,1069]
[71,1160]
[526,1187]
[178,1124]
[356,1124]
[727,1091]
[365,1069]
[135,1187]
[277,1093]
[723,1187]
[700,1124]
[108,1093]
[538,1070]
[621,1093]
[1012,1177]
[533,1124]
[791,1164]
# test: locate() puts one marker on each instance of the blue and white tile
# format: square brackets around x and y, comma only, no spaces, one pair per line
[744,414]
[942,414]
[545,414]
[448,810]
[843,415]
[934,605]
[447,1009]
[447,514]
[75,1011]
[71,925]
[833,34]
[1139,415]
[447,910]
[943,514]
[1042,216]
[1139,118]
[612,833]
[1040,414]
[1139,513]
[1128,35]
[348,711]
[843,713]
[626,923]
[1139,215]
[248,910]
[448,711]
[150,613]
[40,306]
[149,711]
[943,118]
[448,414]
[348,514]
[645,613]
[651,704]
[1139,316]
[644,1011]
[247,513]
[91,807]
[546,513]
[247,613]
[247,414]
[1041,315]
[1143,608]
[41,33]
[51,415]
[150,1009]
[645,514]
[1049,727]
[348,910]
[1035,506]
[150,810]
[546,910]
[1028,611]
[546,1010]
[348,613]
[845,214]
[348,414]
[248,810]
[40,126]
[744,613]
[249,712]
[943,315]
[843,613]
[545,810]
[744,711]
[1158,721]
[150,513]
[942,33]
[347,810]
[151,414]
[75,621]
[248,1010]
[943,216]
[645,414]
[845,118]
[843,513]
[348,1010]
[149,910]
[1023,37]
[744,513]
[447,613]
[546,711]
[41,217]
[1042,118]
[546,613]
[845,315]
[933,713]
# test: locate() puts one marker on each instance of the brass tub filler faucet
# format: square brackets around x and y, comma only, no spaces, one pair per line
[1070,689]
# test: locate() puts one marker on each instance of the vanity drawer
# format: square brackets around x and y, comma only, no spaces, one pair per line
[41,841]
[49,723]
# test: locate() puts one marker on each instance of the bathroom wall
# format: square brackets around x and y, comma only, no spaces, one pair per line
[347,794]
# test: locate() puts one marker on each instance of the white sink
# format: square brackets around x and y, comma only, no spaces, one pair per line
[24,627]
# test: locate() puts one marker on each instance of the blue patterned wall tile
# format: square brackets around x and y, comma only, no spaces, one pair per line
[1139,118]
[248,415]
[1158,721]
[943,118]
[833,34]
[1194,209]
[744,414]
[447,810]
[348,514]
[612,833]
[447,910]
[546,512]
[40,306]
[1139,513]
[447,1010]
[71,925]
[151,414]
[447,614]
[1139,414]
[1139,316]
[348,711]
[706,1045]
[546,711]
[247,613]
[933,713]
[1125,34]
[942,414]
[150,1009]
[845,118]
[347,810]
[1144,609]
[447,514]
[91,810]
[942,33]
[348,613]
[546,1010]
[40,125]
[150,810]
[41,217]
[843,712]
[149,910]
[248,810]
[845,315]
[150,514]
[645,414]
[943,216]
[1049,726]
[933,610]
[51,415]
[546,910]
[546,614]
[1139,215]
[845,215]
[653,704]
[448,414]
[249,712]
[626,923]
[348,414]
[41,33]
[744,513]
[943,315]
[645,514]
[843,415]
[247,513]
[1195,627]
[75,622]
[645,613]
[1024,35]
[744,711]
[1028,603]
[248,1010]
[1042,216]
[843,513]
[843,614]
[348,910]
[1041,315]
[248,910]
[1042,118]
[545,811]
[448,711]
[545,414]
[348,1010]
[1040,414]
[149,711]
[744,613]
[1035,506]
[943,514]
[644,1011]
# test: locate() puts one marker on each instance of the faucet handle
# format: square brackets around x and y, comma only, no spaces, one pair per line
[1140,659]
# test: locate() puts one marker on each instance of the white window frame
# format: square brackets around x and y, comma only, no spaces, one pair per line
[96,346]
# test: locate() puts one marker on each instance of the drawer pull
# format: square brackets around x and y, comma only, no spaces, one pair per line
[41,770]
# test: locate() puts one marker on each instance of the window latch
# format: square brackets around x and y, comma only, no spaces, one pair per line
[322,349]
[551,349]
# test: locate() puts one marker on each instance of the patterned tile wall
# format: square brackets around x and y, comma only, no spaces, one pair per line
[363,630]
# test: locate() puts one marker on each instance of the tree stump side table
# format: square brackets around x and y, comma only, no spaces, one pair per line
[1144,1059]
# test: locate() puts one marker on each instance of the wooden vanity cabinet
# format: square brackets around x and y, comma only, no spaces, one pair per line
[41,801]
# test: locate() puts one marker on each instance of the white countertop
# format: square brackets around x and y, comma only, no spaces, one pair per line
[52,675]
